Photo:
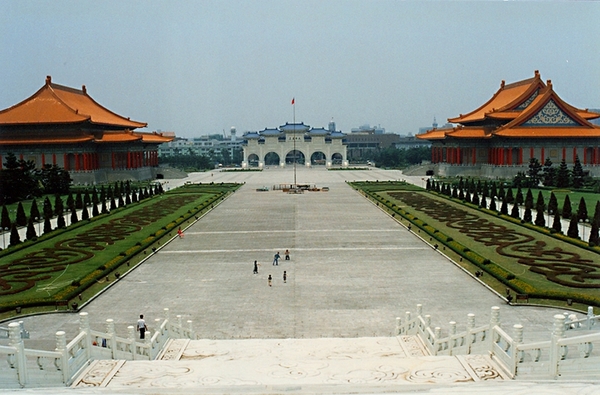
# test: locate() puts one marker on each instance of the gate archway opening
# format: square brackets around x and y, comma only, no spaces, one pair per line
[295,156]
[272,159]
[252,160]
[318,159]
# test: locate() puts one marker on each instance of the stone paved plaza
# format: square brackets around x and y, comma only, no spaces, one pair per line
[353,269]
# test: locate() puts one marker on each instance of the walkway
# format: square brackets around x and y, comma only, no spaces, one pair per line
[353,269]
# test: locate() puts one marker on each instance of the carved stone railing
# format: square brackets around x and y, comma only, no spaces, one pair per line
[27,367]
[559,357]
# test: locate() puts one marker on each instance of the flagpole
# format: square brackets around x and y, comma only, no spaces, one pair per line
[294,122]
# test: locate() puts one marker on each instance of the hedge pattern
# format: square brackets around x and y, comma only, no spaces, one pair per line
[559,266]
[22,274]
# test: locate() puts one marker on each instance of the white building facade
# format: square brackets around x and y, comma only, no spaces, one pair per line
[295,142]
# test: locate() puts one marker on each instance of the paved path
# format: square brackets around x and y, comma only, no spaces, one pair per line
[353,269]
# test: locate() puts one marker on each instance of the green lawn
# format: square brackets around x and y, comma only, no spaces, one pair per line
[55,269]
[521,258]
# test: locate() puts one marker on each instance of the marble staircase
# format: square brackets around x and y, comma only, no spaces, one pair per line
[323,365]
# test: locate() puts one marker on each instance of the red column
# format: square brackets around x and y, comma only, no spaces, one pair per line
[474,155]
[596,155]
[574,153]
[54,159]
[520,155]
[66,162]
[76,162]
[43,159]
[509,156]
[585,155]
[531,152]
[543,155]
[129,160]
[564,153]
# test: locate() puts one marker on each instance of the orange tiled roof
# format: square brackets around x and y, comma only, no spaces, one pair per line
[155,137]
[57,104]
[57,140]
[434,134]
[506,98]
[469,133]
[117,137]
[550,132]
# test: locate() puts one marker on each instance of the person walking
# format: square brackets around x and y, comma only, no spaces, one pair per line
[141,327]
[284,277]
[287,255]
[270,279]
[276,259]
[256,265]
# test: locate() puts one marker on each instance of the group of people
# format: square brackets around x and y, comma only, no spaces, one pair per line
[276,258]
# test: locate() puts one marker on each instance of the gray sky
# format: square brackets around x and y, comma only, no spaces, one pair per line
[200,67]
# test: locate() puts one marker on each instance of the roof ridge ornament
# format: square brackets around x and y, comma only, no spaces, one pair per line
[502,84]
[83,89]
[48,79]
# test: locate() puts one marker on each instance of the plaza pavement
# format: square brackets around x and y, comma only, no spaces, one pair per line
[353,269]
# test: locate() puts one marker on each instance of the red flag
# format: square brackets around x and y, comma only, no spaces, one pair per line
[293,100]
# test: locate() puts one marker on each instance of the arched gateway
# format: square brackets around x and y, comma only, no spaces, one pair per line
[295,142]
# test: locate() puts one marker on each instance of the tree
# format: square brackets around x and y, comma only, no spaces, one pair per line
[103,200]
[70,202]
[504,207]
[74,218]
[59,207]
[509,196]
[78,201]
[54,179]
[540,206]
[483,200]
[493,205]
[515,211]
[475,199]
[34,212]
[567,209]
[534,172]
[17,180]
[549,174]
[563,176]
[552,204]
[21,217]
[594,232]
[557,223]
[47,225]
[582,212]
[14,235]
[519,198]
[573,230]
[60,222]
[30,234]
[527,215]
[85,214]
[5,222]
[577,174]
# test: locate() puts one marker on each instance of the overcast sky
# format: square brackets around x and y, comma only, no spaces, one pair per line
[201,67]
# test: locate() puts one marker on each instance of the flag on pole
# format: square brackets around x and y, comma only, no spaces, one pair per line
[293,100]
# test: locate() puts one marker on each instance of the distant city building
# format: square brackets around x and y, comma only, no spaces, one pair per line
[295,142]
[368,139]
[202,146]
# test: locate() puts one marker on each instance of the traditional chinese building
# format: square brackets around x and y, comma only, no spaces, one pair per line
[522,120]
[295,142]
[66,127]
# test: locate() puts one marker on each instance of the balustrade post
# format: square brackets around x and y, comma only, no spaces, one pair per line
[419,309]
[179,325]
[112,338]
[495,317]
[452,335]
[557,353]
[398,325]
[590,317]
[191,335]
[61,347]
[437,331]
[131,337]
[470,321]
[517,340]
[149,344]
[166,310]
[84,327]
[15,340]
[428,320]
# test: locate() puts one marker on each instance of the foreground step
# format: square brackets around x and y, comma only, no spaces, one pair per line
[288,364]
